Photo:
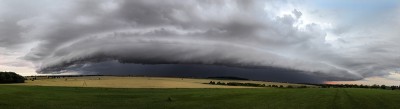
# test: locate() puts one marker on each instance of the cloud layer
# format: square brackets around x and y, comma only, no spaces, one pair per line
[246,34]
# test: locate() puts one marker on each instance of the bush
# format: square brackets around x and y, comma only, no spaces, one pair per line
[11,77]
[211,82]
[220,83]
[303,87]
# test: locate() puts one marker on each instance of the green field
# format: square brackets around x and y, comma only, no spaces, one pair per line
[45,97]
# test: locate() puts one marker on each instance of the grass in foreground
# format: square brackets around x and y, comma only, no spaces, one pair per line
[40,97]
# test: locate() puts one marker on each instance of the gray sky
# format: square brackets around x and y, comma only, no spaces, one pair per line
[324,40]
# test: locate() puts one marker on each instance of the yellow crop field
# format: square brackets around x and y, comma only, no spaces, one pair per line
[140,82]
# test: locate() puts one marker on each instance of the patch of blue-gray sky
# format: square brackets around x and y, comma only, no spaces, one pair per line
[357,11]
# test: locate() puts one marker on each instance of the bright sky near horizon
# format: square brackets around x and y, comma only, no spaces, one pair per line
[338,41]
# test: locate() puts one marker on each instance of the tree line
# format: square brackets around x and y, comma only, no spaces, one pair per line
[253,84]
[375,86]
[11,77]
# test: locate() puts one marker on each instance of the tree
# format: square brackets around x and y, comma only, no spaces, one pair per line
[375,86]
[11,77]
[393,87]
[383,86]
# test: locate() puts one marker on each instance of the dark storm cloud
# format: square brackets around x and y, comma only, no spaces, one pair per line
[242,34]
[197,71]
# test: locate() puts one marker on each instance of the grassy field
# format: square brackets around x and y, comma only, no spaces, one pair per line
[140,82]
[44,97]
